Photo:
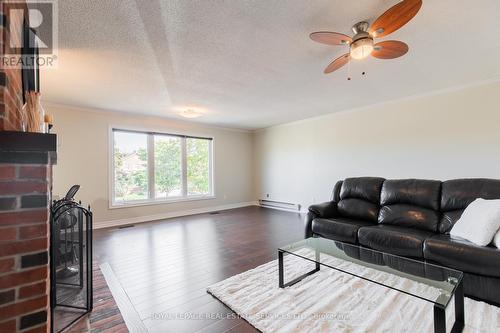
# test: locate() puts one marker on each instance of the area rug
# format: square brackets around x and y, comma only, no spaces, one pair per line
[331,301]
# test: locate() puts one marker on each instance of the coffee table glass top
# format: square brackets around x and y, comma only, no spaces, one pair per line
[426,281]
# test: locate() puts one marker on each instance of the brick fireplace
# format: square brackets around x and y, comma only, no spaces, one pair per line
[11,79]
[25,184]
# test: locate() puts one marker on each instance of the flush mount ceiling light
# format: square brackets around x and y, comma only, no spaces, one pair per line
[361,45]
[190,113]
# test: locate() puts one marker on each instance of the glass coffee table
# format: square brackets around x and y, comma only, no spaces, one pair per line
[440,284]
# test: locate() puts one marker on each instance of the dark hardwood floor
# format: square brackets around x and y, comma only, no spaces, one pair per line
[164,267]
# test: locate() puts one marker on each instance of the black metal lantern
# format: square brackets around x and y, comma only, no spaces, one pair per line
[70,261]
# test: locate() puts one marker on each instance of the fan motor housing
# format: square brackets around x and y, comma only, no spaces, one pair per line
[361,35]
[360,30]
[360,27]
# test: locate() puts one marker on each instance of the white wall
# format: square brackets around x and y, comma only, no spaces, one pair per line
[83,154]
[442,136]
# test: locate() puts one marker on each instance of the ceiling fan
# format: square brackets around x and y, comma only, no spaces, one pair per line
[361,45]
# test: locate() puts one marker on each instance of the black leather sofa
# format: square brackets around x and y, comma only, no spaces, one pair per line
[412,218]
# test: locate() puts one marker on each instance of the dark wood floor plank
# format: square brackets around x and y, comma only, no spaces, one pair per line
[127,310]
[164,267]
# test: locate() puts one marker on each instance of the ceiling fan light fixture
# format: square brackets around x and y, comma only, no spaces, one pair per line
[361,48]
[361,45]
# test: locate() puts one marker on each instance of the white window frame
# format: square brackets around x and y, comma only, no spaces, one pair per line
[151,169]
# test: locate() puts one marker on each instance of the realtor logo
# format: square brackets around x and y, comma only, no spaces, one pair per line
[30,33]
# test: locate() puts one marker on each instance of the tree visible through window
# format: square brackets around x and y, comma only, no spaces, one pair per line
[131,172]
[198,166]
[168,167]
[155,167]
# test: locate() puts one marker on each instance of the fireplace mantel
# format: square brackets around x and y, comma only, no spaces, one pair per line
[29,146]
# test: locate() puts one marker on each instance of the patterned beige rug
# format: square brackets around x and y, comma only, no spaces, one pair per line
[330,301]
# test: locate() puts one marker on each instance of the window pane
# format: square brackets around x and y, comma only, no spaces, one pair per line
[168,166]
[198,166]
[131,166]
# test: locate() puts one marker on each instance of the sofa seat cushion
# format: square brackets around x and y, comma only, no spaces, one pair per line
[341,229]
[394,239]
[461,254]
[409,216]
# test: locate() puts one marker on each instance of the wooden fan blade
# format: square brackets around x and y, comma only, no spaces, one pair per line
[330,38]
[337,63]
[389,49]
[395,17]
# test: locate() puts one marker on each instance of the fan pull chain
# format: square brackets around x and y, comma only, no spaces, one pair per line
[349,71]
[363,68]
[363,73]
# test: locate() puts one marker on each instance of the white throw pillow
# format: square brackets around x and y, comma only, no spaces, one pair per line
[479,222]
[496,239]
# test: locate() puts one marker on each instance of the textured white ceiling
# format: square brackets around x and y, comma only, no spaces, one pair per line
[250,64]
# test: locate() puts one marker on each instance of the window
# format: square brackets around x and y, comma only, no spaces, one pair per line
[131,166]
[156,167]
[198,166]
[168,167]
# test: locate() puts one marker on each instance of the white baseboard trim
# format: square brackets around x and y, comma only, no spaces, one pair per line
[168,215]
[302,211]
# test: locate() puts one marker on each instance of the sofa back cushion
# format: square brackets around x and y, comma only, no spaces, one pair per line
[457,194]
[412,203]
[359,198]
[336,191]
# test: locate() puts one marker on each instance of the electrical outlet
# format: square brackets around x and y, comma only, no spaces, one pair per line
[267,195]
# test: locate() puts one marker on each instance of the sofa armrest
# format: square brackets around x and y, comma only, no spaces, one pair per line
[325,210]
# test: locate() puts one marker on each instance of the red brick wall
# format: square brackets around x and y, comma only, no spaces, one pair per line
[11,94]
[24,242]
[24,202]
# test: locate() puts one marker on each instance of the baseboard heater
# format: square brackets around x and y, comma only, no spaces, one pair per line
[280,205]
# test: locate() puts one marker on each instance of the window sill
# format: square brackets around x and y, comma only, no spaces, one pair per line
[160,202]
